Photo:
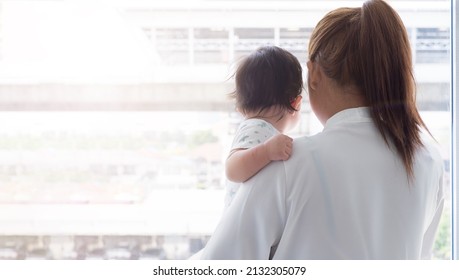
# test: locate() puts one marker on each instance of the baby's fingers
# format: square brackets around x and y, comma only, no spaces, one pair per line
[287,153]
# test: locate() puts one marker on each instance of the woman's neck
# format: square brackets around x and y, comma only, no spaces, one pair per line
[343,98]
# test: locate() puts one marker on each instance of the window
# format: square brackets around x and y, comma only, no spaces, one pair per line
[116,121]
[432,45]
[172,45]
[454,91]
[211,45]
[247,40]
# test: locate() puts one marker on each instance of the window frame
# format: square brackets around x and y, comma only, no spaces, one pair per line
[455,139]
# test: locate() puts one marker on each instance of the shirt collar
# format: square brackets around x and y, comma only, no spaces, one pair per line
[360,114]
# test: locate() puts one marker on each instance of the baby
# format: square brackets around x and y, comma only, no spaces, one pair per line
[268,94]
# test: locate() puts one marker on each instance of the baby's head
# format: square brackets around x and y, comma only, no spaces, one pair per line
[270,76]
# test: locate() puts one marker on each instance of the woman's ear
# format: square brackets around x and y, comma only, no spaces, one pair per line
[314,75]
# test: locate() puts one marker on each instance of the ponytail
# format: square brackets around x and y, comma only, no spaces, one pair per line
[388,81]
[368,48]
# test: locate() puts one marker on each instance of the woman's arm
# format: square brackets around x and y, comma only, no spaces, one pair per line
[253,225]
[431,232]
[242,164]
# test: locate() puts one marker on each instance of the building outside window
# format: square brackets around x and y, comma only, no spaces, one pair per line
[116,121]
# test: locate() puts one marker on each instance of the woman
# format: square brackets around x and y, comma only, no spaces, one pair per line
[369,186]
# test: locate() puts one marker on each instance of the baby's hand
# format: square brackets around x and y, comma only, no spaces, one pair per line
[279,147]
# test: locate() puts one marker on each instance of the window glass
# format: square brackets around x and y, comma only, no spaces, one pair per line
[172,45]
[432,45]
[247,40]
[211,45]
[295,40]
[116,122]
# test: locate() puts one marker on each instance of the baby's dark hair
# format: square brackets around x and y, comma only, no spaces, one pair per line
[268,76]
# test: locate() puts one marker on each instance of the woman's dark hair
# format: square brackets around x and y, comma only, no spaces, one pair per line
[368,48]
[268,76]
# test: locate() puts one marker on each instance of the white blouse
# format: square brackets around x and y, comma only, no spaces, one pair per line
[343,194]
[251,132]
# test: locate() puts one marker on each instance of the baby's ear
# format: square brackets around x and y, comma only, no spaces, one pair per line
[296,103]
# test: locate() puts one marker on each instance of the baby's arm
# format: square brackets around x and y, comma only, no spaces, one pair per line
[244,163]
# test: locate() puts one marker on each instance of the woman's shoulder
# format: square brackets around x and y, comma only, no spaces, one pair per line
[430,148]
[311,141]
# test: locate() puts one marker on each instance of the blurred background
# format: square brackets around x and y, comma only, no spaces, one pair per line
[115,119]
